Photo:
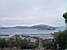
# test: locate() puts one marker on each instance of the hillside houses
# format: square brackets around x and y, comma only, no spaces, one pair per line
[30,37]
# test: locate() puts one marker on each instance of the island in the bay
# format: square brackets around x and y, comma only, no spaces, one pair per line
[39,27]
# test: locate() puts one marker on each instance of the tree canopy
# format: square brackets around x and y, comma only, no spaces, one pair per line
[61,39]
[65,15]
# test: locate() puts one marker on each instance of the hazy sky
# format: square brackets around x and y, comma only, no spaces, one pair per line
[29,12]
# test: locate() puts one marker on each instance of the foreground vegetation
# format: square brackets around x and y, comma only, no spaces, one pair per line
[23,43]
[17,42]
[61,40]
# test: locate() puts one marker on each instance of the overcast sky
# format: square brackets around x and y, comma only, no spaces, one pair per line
[29,12]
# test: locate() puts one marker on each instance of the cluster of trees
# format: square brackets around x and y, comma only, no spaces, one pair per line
[61,39]
[23,43]
[17,42]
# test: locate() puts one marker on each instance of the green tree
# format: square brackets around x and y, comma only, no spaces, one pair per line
[65,17]
[61,39]
[3,43]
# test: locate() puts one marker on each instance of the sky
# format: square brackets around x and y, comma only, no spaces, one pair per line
[30,12]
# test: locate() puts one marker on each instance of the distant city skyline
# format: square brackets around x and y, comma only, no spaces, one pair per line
[30,12]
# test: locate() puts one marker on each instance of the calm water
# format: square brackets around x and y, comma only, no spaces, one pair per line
[28,31]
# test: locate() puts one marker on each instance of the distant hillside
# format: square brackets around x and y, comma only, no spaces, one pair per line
[43,27]
[39,27]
